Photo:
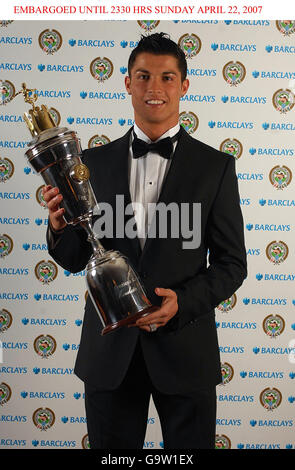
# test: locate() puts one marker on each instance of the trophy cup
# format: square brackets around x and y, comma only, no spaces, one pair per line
[55,152]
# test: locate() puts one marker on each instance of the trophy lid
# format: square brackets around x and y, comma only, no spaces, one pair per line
[37,119]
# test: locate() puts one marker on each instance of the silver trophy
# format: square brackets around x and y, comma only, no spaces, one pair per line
[55,152]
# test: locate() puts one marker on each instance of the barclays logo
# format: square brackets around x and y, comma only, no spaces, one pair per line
[199,98]
[99,95]
[13,67]
[14,271]
[245,202]
[14,221]
[236,398]
[201,72]
[24,41]
[57,297]
[131,44]
[244,99]
[277,202]
[54,93]
[13,370]
[53,371]
[94,121]
[261,375]
[232,349]
[13,296]
[274,351]
[44,321]
[271,423]
[15,196]
[279,75]
[35,246]
[253,252]
[234,47]
[70,347]
[238,325]
[269,227]
[277,126]
[231,125]
[265,301]
[91,43]
[258,446]
[11,118]
[128,122]
[13,442]
[250,176]
[274,152]
[13,144]
[280,49]
[61,68]
[43,395]
[248,22]
[228,422]
[52,443]
[40,221]
[73,419]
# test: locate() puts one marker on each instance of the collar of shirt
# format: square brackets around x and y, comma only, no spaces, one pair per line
[141,135]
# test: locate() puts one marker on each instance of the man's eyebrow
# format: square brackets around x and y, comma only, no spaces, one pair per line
[168,72]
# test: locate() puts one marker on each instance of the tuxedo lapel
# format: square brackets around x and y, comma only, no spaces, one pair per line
[120,169]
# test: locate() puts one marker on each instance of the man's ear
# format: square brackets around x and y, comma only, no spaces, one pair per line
[185,86]
[127,85]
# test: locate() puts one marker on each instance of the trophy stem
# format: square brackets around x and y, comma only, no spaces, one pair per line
[97,247]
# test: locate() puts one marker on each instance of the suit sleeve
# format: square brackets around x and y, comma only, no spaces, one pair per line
[227,268]
[70,249]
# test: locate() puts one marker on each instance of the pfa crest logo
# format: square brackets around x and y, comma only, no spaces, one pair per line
[148,25]
[46,271]
[5,393]
[227,373]
[189,121]
[55,116]
[45,346]
[7,91]
[232,147]
[280,176]
[50,41]
[270,398]
[101,69]
[98,141]
[228,304]
[5,22]
[190,44]
[5,320]
[43,418]
[222,442]
[40,198]
[277,252]
[234,73]
[85,442]
[283,100]
[273,325]
[6,169]
[6,245]
[286,27]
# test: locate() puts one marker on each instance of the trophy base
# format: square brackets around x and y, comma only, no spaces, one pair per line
[129,320]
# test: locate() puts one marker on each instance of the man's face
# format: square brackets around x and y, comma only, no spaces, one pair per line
[156,87]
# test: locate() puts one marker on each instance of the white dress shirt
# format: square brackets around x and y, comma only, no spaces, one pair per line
[146,177]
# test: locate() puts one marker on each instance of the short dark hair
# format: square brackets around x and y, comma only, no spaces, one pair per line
[159,44]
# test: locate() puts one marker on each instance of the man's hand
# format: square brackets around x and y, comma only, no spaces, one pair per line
[53,198]
[168,309]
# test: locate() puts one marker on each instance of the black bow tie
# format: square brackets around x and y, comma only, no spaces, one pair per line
[163,147]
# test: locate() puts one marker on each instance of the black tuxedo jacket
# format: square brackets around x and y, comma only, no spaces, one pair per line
[182,356]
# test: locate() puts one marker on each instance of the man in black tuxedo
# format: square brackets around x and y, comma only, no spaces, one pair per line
[173,353]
